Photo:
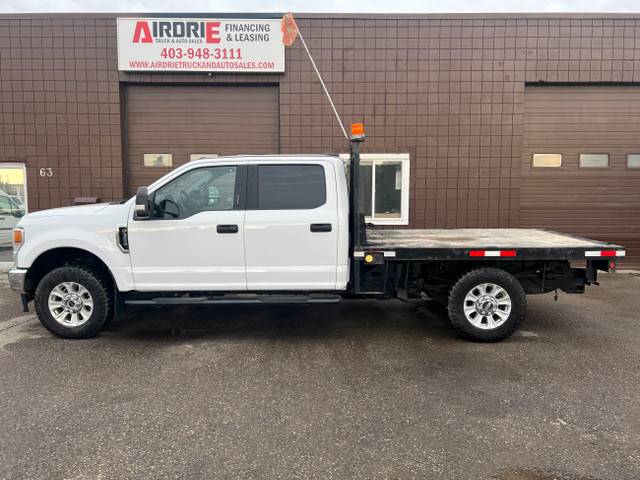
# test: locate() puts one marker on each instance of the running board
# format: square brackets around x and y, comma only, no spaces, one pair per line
[237,300]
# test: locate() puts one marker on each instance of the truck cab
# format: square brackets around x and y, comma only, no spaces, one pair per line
[243,224]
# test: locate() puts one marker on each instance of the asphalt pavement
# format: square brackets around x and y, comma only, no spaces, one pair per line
[359,390]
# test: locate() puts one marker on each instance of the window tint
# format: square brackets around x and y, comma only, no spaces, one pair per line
[201,190]
[291,187]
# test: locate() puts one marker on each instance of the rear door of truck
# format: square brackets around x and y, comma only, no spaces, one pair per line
[291,225]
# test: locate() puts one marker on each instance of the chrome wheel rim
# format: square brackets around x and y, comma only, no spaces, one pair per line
[487,306]
[70,304]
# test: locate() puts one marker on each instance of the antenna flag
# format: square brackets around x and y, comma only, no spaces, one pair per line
[289,29]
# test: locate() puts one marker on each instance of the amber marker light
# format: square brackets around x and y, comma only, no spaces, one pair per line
[357,129]
[17,235]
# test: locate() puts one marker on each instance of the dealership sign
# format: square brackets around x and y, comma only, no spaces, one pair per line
[200,45]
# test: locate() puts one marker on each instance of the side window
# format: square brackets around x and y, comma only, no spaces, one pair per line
[201,190]
[633,160]
[594,160]
[384,187]
[546,160]
[291,187]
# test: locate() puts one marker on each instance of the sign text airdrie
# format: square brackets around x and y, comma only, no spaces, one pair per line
[209,45]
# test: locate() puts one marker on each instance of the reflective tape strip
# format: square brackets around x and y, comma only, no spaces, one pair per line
[605,253]
[362,254]
[492,253]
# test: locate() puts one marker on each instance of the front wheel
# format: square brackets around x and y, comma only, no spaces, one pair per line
[487,305]
[72,302]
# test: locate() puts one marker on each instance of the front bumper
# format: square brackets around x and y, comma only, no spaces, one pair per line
[17,279]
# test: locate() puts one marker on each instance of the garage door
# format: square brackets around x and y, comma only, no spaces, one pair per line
[169,125]
[581,163]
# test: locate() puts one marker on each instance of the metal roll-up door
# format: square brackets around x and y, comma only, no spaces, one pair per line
[600,202]
[173,124]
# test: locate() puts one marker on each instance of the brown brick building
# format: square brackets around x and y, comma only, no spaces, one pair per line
[486,120]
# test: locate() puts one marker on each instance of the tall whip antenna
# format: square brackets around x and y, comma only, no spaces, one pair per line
[290,31]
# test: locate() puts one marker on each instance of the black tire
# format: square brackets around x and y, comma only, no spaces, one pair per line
[84,291]
[496,305]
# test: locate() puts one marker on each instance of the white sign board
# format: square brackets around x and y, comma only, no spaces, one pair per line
[200,45]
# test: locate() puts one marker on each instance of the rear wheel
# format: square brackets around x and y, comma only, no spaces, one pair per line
[487,305]
[72,302]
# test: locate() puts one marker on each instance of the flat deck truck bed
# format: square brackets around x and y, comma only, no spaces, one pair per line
[482,275]
[478,244]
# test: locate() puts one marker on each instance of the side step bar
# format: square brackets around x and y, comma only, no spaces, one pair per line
[237,300]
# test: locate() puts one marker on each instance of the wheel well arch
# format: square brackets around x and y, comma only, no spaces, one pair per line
[57,257]
[441,276]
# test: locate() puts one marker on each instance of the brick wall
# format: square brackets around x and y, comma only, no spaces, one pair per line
[61,107]
[447,90]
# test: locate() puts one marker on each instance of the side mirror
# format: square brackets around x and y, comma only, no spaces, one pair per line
[142,204]
[18,213]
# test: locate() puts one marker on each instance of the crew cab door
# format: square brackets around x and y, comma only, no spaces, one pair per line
[291,226]
[193,239]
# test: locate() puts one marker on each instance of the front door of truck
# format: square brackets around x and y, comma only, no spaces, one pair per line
[291,226]
[193,239]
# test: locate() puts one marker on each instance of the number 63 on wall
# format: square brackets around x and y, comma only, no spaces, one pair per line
[46,172]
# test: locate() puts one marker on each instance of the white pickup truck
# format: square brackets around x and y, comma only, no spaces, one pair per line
[252,229]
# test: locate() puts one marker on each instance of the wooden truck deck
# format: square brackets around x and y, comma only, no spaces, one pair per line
[470,244]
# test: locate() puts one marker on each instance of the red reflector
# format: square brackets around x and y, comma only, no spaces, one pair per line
[508,253]
[476,253]
[608,253]
[612,265]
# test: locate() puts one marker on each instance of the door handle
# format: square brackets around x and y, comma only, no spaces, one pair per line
[320,227]
[227,229]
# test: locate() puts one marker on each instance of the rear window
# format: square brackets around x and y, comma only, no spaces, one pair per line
[291,187]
